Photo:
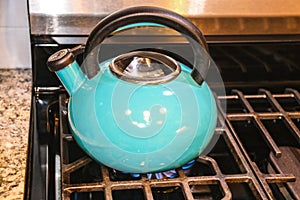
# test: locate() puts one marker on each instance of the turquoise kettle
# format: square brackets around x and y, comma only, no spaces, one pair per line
[142,111]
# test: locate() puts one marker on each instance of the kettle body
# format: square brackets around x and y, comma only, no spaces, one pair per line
[142,129]
[139,119]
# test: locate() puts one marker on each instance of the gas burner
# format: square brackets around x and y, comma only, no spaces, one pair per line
[166,174]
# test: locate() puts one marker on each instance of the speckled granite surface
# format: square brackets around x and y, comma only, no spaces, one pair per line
[15,98]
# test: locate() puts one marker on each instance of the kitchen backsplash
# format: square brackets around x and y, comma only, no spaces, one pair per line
[14,34]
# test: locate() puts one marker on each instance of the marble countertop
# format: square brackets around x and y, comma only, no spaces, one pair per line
[15,99]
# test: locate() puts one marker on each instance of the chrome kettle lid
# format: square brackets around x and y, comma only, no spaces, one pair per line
[145,67]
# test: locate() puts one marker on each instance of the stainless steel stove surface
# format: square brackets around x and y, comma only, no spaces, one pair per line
[257,155]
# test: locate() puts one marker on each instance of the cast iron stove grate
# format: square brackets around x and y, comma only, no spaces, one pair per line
[260,135]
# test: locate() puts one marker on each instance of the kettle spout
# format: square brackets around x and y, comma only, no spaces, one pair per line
[63,63]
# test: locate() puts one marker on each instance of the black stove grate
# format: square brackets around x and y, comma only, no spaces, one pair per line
[260,134]
[275,127]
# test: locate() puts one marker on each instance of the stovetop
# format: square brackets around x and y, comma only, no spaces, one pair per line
[256,156]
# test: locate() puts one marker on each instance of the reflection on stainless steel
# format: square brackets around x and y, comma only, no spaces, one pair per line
[190,7]
[145,67]
[213,17]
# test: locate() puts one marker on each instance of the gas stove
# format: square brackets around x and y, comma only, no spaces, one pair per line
[257,154]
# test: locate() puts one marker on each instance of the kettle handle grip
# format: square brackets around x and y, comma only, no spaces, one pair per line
[155,15]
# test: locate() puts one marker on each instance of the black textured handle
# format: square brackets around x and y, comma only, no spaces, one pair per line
[148,14]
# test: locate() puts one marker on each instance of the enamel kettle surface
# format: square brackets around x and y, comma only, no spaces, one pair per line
[144,110]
